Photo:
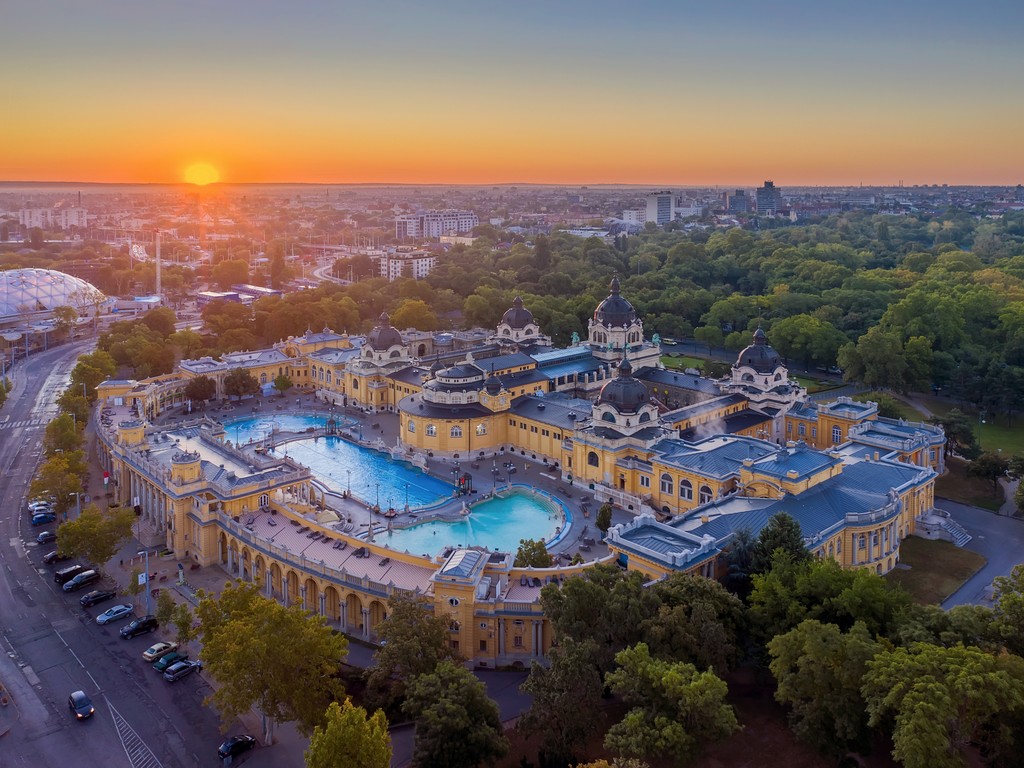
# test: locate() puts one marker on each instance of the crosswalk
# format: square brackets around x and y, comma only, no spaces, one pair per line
[140,755]
[22,423]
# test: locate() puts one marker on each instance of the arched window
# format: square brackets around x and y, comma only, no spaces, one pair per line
[395,353]
[778,377]
[592,459]
[644,417]
[747,377]
[685,490]
[355,383]
[507,332]
[263,378]
[861,541]
[667,484]
[456,431]
[412,425]
[431,430]
[705,494]
[608,416]
[481,429]
[329,376]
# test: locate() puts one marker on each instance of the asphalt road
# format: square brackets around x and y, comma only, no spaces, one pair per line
[1000,539]
[51,646]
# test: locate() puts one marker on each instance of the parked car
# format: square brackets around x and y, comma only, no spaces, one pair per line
[181,669]
[66,574]
[46,537]
[236,745]
[80,704]
[79,581]
[40,505]
[169,659]
[43,518]
[55,557]
[96,596]
[115,613]
[159,649]
[139,626]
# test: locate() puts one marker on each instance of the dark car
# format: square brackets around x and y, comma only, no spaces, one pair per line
[139,626]
[96,596]
[236,745]
[181,669]
[81,580]
[43,518]
[169,659]
[80,704]
[46,537]
[66,574]
[55,557]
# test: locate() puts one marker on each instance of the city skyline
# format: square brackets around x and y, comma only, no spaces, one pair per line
[668,94]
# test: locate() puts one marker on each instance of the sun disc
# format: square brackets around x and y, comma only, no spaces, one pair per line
[201,174]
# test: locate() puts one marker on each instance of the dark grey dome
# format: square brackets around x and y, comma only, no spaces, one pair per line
[615,311]
[493,384]
[759,356]
[517,316]
[385,335]
[624,393]
[437,366]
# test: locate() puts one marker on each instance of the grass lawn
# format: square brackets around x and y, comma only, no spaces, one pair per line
[816,385]
[937,569]
[907,411]
[682,362]
[957,485]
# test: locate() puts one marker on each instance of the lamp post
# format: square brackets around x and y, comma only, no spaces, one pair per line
[406,497]
[78,505]
[494,476]
[349,481]
[377,505]
[148,596]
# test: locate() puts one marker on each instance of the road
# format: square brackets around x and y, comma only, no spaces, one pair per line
[51,646]
[1000,539]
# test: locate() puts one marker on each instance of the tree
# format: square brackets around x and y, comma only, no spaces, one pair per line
[75,404]
[282,384]
[781,532]
[62,435]
[189,343]
[230,272]
[532,553]
[457,725]
[239,383]
[280,272]
[604,518]
[185,630]
[989,466]
[414,313]
[164,607]
[876,360]
[565,697]
[64,319]
[96,536]
[819,671]
[350,738]
[281,660]
[413,642]
[160,320]
[60,477]
[1008,606]
[941,701]
[200,389]
[711,335]
[959,429]
[133,588]
[739,557]
[675,709]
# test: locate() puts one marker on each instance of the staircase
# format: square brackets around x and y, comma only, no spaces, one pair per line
[959,535]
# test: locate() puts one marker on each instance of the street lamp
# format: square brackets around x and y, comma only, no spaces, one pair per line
[406,497]
[349,481]
[148,596]
[377,485]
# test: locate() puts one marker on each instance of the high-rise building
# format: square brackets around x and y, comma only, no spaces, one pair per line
[659,207]
[52,218]
[769,199]
[434,223]
[739,202]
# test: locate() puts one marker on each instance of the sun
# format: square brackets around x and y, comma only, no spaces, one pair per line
[201,174]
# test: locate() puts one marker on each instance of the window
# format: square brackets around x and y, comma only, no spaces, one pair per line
[837,435]
[667,485]
[686,490]
[802,430]
[263,378]
[456,431]
[645,481]
[483,645]
[861,541]
[789,427]
[481,429]
[931,455]
[592,459]
[517,641]
[814,432]
[431,430]
[412,425]
[705,494]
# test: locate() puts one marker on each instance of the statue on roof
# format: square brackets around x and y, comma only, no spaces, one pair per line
[656,339]
[575,338]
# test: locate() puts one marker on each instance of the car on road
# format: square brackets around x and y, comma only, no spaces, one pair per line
[43,518]
[55,557]
[181,669]
[81,705]
[139,626]
[115,613]
[46,537]
[66,574]
[236,745]
[96,596]
[154,652]
[169,659]
[79,581]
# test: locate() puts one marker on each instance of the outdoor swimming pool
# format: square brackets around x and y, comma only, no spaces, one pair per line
[497,523]
[258,427]
[371,476]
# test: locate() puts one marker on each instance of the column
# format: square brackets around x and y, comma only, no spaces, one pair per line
[323,604]
[269,584]
[284,590]
[366,623]
[501,637]
[853,549]
[231,560]
[302,597]
[343,618]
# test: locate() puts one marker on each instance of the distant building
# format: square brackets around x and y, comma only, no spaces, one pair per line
[407,262]
[52,218]
[256,291]
[769,199]
[659,207]
[635,216]
[738,202]
[434,223]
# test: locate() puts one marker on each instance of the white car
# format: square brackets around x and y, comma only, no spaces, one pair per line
[115,613]
[154,652]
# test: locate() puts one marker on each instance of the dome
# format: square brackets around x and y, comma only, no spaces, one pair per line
[436,367]
[624,393]
[615,311]
[385,335]
[493,385]
[517,316]
[759,356]
[42,290]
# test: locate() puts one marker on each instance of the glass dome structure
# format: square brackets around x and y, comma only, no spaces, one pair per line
[28,291]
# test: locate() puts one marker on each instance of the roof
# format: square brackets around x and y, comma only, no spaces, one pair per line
[800,458]
[680,380]
[719,457]
[551,410]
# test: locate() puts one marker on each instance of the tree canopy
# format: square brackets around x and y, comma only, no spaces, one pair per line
[349,737]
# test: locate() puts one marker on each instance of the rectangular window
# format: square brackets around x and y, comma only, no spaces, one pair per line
[789,427]
[517,641]
[837,435]
[814,431]
[802,430]
[483,645]
[645,481]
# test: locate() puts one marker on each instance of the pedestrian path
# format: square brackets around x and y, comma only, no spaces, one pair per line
[22,423]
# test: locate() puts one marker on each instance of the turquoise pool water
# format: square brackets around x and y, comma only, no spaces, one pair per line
[497,523]
[258,427]
[370,475]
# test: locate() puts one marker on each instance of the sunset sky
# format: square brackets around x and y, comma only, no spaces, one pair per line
[666,93]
